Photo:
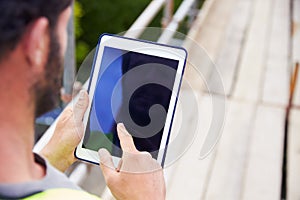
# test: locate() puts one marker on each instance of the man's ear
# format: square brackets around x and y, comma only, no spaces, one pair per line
[36,43]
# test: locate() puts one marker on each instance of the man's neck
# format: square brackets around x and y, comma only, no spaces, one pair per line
[17,163]
[17,135]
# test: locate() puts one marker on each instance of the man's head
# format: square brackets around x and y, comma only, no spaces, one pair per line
[34,33]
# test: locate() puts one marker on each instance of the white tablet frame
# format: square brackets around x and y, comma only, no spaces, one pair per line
[165,51]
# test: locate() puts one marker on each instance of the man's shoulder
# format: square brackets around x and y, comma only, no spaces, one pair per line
[53,179]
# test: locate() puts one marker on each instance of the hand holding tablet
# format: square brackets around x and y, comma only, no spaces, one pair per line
[136,83]
[132,161]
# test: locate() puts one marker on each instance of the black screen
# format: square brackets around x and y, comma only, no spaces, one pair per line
[134,89]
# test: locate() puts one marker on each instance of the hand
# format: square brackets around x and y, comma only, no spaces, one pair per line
[67,135]
[138,175]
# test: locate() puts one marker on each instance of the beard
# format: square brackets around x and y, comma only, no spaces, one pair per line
[47,90]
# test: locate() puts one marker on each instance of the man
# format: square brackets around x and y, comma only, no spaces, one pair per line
[32,44]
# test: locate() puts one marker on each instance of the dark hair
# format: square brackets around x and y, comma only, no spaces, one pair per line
[16,15]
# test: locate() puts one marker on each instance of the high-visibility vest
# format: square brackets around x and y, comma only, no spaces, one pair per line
[62,193]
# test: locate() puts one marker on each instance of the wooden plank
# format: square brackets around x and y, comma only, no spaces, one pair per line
[248,85]
[296,46]
[276,83]
[207,33]
[293,165]
[264,168]
[228,59]
[210,35]
[296,30]
[231,155]
[276,77]
[186,178]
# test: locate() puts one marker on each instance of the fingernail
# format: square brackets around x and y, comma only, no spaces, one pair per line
[122,128]
[81,94]
[121,125]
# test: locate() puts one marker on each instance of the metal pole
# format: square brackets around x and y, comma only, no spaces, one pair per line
[178,17]
[168,13]
[138,27]
[69,62]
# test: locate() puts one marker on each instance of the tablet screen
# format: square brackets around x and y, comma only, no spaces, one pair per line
[116,91]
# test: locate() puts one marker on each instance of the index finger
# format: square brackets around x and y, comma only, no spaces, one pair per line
[126,139]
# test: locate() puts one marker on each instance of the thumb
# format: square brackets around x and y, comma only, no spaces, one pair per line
[81,106]
[106,164]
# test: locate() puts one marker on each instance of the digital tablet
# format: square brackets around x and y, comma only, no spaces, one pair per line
[136,83]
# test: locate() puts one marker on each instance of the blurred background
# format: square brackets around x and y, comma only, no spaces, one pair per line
[95,17]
